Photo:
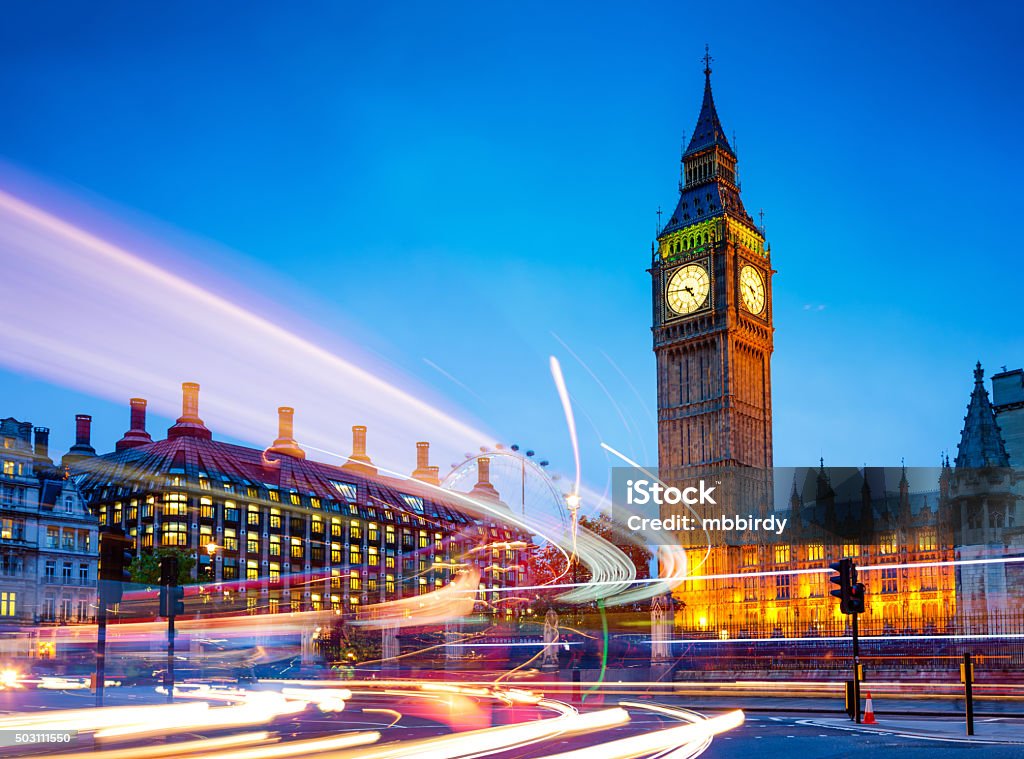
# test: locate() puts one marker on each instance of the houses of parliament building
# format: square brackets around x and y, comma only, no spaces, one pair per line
[946,558]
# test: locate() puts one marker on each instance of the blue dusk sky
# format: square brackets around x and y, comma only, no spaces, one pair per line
[468,188]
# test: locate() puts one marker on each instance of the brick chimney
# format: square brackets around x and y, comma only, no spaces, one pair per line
[82,449]
[359,461]
[42,443]
[189,424]
[483,488]
[136,434]
[286,444]
[423,471]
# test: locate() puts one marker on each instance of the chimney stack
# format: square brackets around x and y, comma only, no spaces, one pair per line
[424,472]
[483,488]
[42,443]
[82,448]
[286,444]
[359,461]
[189,424]
[136,434]
[83,429]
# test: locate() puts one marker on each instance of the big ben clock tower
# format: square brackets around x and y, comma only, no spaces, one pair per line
[711,275]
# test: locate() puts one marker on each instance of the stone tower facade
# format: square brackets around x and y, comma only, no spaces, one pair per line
[712,324]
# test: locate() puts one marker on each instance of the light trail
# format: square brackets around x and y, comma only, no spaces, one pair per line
[563,396]
[183,748]
[92,283]
[151,722]
[685,741]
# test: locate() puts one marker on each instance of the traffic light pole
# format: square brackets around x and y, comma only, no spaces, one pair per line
[169,673]
[856,670]
[101,645]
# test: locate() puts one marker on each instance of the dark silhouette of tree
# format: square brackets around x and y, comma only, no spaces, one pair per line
[145,568]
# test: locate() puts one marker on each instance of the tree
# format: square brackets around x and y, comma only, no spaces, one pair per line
[545,564]
[145,568]
[614,534]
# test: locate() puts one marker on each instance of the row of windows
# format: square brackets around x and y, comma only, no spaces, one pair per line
[176,504]
[67,573]
[16,468]
[11,495]
[347,490]
[782,554]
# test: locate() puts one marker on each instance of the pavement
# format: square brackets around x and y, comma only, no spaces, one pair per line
[989,731]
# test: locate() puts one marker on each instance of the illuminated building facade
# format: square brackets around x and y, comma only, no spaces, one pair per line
[713,341]
[274,531]
[768,592]
[48,537]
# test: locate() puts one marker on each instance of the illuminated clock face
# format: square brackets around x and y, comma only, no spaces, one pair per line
[752,289]
[688,289]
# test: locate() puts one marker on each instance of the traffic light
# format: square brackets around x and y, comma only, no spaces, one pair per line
[857,593]
[845,580]
[116,554]
[172,595]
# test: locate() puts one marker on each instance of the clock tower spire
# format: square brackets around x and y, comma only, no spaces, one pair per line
[713,333]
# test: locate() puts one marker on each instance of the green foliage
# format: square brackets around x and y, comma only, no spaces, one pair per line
[145,568]
[624,540]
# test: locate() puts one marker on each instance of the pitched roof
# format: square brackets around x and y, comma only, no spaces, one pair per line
[981,442]
[148,468]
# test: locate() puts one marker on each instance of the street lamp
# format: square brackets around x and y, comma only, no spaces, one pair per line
[211,550]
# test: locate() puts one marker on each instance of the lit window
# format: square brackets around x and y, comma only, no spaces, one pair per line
[887,544]
[275,545]
[926,541]
[414,502]
[174,534]
[8,603]
[850,550]
[347,489]
[889,581]
[781,554]
[782,587]
[815,552]
[175,504]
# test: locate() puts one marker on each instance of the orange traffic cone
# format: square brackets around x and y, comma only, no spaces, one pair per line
[869,712]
